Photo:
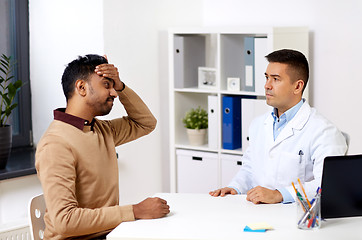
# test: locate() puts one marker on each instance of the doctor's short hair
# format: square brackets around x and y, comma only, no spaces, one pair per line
[294,59]
[80,68]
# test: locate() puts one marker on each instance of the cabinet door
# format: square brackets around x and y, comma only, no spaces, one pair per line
[230,165]
[196,171]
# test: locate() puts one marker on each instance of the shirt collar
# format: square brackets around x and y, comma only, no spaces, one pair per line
[60,115]
[290,113]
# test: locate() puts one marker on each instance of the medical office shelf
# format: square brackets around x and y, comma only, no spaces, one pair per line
[220,44]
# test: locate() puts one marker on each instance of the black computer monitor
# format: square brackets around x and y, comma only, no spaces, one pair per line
[342,187]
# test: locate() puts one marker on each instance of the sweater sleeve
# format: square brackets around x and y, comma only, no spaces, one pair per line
[56,169]
[139,122]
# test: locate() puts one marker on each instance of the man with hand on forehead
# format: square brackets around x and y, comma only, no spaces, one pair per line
[76,159]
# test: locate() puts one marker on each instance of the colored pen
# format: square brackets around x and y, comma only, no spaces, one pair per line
[301,186]
[319,190]
[307,214]
[300,198]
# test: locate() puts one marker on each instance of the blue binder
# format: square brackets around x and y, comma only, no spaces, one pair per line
[231,122]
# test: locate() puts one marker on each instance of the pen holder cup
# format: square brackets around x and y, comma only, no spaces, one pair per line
[309,216]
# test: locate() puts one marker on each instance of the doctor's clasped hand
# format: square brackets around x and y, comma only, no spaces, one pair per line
[263,195]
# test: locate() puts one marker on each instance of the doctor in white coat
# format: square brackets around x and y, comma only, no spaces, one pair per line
[287,144]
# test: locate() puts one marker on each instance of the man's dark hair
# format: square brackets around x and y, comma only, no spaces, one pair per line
[80,68]
[294,59]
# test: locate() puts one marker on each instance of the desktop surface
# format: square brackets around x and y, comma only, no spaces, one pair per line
[200,216]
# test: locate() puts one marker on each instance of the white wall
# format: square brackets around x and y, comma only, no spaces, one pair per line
[60,30]
[335,49]
[135,39]
[14,197]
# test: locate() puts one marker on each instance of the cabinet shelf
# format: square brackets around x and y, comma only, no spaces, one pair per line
[196,148]
[212,91]
[195,90]
[243,93]
[235,151]
[236,57]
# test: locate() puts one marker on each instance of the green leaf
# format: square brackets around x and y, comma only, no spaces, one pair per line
[196,119]
[4,56]
[7,100]
[18,84]
[4,71]
[13,106]
[7,112]
[8,88]
[6,64]
[9,78]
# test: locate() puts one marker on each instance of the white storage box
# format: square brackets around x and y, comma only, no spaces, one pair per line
[196,171]
[230,165]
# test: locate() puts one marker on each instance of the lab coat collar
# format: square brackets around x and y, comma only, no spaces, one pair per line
[296,124]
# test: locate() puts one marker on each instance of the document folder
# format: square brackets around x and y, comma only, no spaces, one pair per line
[231,122]
[250,109]
[213,112]
[260,64]
[249,64]
[189,55]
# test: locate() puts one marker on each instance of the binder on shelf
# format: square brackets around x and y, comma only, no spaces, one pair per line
[260,51]
[213,113]
[232,60]
[231,122]
[249,64]
[250,109]
[189,55]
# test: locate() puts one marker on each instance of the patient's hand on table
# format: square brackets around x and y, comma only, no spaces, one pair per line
[151,208]
[222,192]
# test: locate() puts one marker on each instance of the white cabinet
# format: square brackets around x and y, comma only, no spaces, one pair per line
[230,165]
[231,63]
[196,171]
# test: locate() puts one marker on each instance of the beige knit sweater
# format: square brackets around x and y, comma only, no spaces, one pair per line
[79,173]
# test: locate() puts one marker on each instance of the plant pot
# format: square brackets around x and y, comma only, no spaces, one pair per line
[5,145]
[196,136]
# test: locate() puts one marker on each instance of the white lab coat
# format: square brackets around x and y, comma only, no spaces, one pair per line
[275,164]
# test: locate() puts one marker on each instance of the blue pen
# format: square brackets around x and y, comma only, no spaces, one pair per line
[311,202]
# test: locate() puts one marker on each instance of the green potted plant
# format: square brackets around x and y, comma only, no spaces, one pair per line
[8,90]
[196,123]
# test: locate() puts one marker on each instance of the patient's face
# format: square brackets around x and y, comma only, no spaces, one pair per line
[100,94]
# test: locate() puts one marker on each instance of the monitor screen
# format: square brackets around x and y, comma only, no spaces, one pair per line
[342,187]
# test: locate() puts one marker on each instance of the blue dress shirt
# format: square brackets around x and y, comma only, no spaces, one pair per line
[278,125]
[281,122]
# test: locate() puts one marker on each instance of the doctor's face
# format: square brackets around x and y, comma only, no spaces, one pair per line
[279,87]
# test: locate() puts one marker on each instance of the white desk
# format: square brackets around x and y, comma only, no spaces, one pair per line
[200,216]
